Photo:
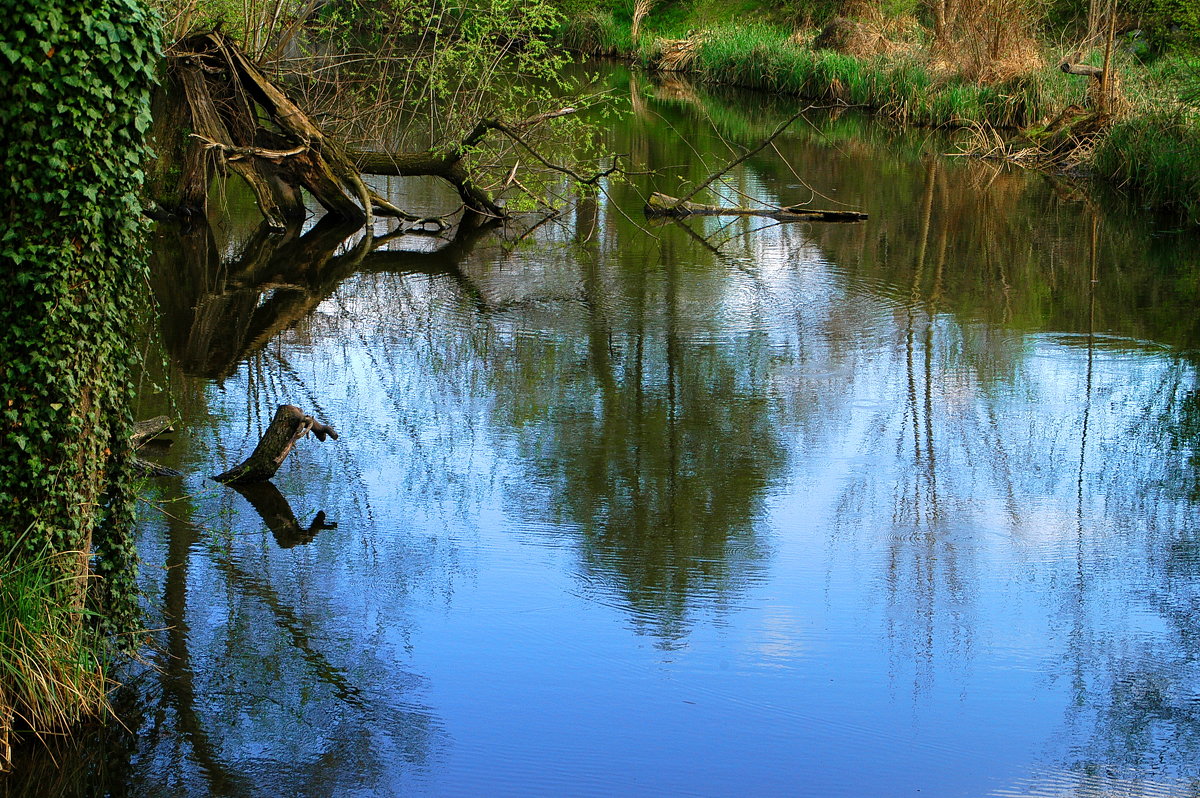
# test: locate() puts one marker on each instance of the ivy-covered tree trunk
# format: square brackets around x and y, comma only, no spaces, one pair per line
[75,80]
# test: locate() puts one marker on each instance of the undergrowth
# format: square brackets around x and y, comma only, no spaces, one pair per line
[900,85]
[51,666]
[1158,154]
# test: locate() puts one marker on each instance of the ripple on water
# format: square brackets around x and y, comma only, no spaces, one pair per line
[1103,782]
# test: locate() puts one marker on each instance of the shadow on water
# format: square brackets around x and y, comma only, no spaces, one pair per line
[217,311]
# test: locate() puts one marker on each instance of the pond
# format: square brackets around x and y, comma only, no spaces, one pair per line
[716,508]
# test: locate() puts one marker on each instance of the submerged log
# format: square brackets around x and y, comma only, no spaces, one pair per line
[664,205]
[143,433]
[289,425]
[145,468]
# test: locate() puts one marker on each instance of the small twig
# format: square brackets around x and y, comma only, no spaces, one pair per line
[745,156]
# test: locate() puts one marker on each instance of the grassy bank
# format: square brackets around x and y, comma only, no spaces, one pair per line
[1152,146]
[1157,154]
[51,672]
[900,84]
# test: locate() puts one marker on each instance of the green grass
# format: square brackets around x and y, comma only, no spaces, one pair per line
[898,85]
[1157,154]
[766,57]
[596,32]
[51,672]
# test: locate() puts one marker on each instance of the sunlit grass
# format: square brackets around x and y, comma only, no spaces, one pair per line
[51,674]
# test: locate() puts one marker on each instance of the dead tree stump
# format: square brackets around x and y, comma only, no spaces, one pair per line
[289,425]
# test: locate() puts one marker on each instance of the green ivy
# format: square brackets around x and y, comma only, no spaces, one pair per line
[75,81]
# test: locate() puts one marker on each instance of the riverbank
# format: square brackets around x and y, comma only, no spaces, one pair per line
[1149,141]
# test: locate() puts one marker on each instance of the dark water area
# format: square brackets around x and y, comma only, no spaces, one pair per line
[719,508]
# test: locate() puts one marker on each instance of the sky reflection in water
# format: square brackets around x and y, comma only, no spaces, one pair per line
[837,510]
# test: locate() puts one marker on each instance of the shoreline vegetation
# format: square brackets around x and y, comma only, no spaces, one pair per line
[1139,130]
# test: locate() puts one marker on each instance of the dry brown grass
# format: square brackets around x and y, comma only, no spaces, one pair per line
[990,41]
[865,32]
[640,9]
[677,55]
[50,671]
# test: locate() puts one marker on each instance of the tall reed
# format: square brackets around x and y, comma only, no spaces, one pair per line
[1157,154]
[51,665]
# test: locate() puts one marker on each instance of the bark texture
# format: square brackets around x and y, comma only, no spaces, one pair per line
[289,425]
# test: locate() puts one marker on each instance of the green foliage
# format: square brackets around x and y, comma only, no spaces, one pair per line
[50,662]
[75,79]
[1170,23]
[597,32]
[1159,154]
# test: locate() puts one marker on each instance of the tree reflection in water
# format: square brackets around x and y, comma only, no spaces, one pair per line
[969,427]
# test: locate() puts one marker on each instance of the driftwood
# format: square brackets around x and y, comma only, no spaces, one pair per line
[1102,86]
[664,205]
[1082,69]
[144,431]
[715,176]
[289,426]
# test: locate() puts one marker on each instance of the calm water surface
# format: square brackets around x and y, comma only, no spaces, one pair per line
[890,509]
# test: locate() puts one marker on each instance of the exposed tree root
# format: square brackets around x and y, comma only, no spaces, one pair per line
[240,121]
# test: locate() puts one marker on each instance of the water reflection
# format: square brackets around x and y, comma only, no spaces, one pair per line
[658,446]
[281,689]
[708,510]
[277,514]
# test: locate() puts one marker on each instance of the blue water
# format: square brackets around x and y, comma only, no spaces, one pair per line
[893,509]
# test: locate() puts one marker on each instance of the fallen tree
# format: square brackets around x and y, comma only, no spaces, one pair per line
[241,121]
[214,91]
[664,205]
[660,204]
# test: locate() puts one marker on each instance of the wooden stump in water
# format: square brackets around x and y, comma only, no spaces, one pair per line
[289,425]
[143,433]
